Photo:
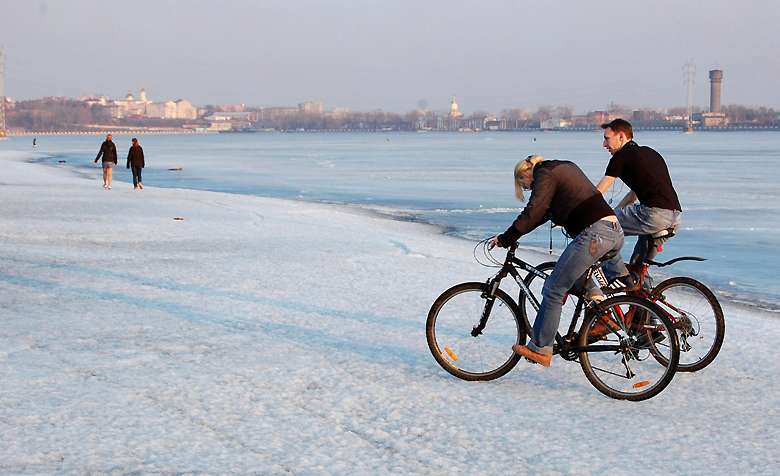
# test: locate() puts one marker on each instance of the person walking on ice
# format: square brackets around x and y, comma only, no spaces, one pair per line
[108,153]
[135,161]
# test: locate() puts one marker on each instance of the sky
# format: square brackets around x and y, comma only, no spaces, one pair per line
[394,56]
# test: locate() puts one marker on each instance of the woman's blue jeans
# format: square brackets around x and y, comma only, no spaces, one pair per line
[136,174]
[582,253]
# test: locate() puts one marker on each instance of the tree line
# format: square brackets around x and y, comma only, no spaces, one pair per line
[57,115]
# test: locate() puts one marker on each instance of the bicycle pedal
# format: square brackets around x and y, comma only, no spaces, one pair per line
[531,361]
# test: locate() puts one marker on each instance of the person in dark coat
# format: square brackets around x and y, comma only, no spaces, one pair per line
[561,193]
[135,161]
[108,152]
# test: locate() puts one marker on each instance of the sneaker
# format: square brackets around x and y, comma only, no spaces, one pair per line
[621,284]
[535,357]
[108,187]
[135,188]
[140,186]
[104,186]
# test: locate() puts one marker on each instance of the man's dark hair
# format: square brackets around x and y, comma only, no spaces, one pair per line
[620,125]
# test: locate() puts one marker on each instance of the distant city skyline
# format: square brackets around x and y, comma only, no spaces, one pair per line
[394,56]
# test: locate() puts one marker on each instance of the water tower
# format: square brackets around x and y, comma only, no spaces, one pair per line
[716,77]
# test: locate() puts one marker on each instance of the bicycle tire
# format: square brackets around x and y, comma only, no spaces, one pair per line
[698,317]
[449,326]
[621,364]
[527,311]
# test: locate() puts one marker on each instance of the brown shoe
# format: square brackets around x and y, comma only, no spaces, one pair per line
[602,327]
[543,359]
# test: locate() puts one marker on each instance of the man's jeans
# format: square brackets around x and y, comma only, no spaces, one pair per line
[582,253]
[637,220]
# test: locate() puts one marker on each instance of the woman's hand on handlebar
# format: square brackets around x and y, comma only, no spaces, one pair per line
[494,242]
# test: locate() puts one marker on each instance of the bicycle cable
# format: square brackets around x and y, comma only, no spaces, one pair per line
[487,259]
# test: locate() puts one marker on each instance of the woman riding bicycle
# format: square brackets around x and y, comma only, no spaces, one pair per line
[560,192]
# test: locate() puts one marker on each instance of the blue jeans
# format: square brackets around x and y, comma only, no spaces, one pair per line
[136,174]
[637,220]
[582,253]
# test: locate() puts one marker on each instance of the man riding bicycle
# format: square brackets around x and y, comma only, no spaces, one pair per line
[646,174]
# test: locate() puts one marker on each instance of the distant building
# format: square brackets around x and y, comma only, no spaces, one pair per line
[162,110]
[185,110]
[714,118]
[554,123]
[598,117]
[494,124]
[142,107]
[235,116]
[454,108]
[711,119]
[311,107]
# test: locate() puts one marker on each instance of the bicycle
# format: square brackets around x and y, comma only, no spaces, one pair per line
[694,309]
[472,327]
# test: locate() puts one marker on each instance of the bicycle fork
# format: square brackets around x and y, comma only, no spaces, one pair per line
[489,294]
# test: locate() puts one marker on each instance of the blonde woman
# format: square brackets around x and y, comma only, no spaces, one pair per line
[108,153]
[560,192]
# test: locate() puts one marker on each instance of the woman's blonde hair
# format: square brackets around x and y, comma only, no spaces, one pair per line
[526,164]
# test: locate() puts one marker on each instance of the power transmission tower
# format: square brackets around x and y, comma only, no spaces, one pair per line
[689,74]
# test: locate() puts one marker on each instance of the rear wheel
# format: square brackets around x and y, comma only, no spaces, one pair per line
[698,319]
[456,340]
[625,357]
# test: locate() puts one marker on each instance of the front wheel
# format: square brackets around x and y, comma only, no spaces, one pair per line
[628,348]
[698,318]
[465,344]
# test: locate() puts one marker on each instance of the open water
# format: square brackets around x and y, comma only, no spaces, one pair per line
[727,182]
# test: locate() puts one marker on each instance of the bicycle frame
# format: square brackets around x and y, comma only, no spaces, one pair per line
[564,343]
[641,271]
[618,361]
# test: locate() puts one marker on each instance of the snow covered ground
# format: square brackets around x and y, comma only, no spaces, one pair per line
[263,336]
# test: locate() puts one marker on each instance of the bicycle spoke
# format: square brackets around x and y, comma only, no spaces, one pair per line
[452,319]
[698,319]
[648,351]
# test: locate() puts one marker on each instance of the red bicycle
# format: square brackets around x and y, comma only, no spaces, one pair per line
[694,309]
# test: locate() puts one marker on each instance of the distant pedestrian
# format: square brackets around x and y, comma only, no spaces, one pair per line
[108,152]
[35,140]
[135,161]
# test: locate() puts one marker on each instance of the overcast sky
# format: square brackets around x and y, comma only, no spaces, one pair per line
[394,55]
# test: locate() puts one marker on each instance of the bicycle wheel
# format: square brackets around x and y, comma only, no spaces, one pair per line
[527,309]
[626,359]
[698,318]
[450,331]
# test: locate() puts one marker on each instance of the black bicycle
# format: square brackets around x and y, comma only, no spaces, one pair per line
[472,327]
[692,307]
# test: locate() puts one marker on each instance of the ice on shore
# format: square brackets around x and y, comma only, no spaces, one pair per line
[264,336]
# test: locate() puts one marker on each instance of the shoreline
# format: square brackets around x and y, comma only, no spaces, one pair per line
[748,301]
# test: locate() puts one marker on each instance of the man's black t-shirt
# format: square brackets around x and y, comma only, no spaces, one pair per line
[645,172]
